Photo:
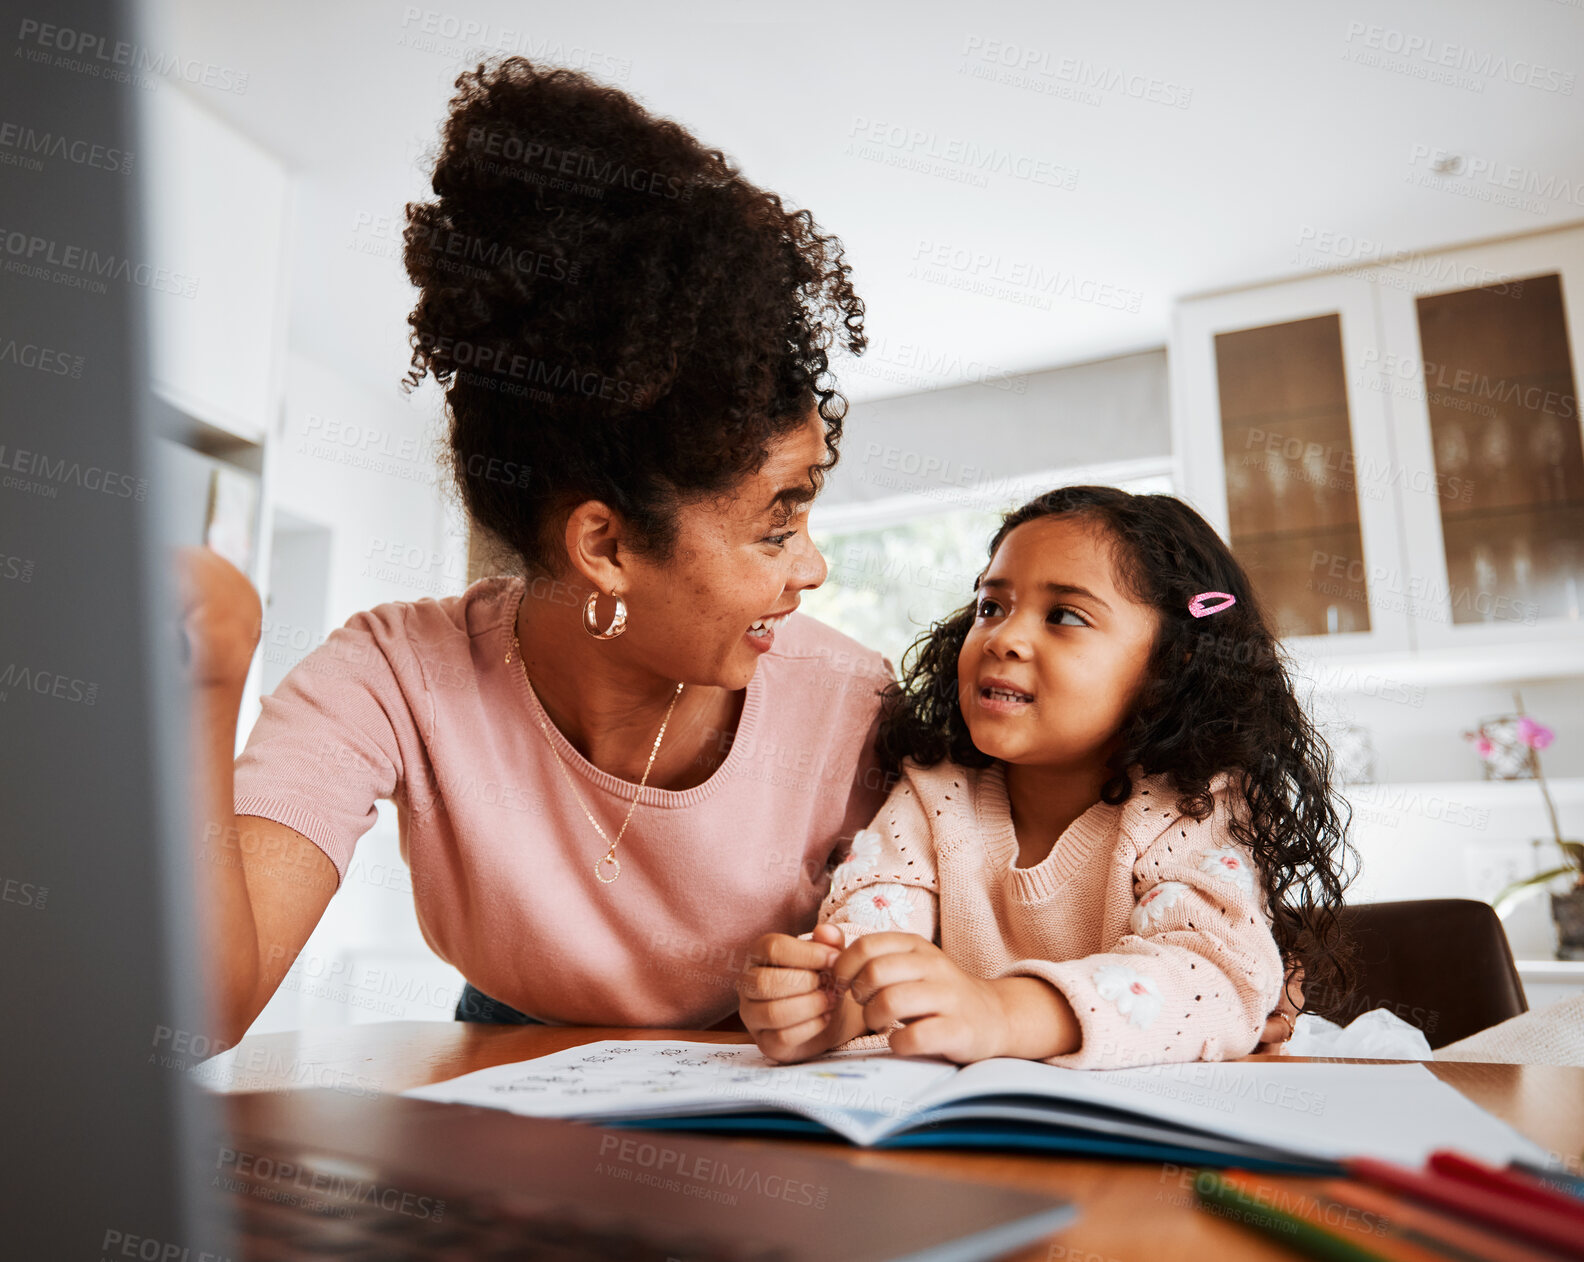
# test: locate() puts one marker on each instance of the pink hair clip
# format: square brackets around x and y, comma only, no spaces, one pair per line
[1200,609]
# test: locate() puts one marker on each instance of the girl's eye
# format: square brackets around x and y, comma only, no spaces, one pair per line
[1063,611]
[986,608]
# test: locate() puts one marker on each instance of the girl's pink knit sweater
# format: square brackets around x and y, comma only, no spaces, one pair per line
[1151,923]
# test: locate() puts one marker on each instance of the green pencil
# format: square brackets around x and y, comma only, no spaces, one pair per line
[1223,1199]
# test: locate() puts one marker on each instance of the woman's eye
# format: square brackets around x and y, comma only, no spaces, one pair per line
[780,540]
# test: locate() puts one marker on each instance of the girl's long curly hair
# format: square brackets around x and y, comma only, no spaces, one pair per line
[614,311]
[1217,698]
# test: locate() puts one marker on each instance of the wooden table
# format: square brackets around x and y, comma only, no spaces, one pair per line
[1131,1211]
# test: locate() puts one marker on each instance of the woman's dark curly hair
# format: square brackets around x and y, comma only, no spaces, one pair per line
[614,311]
[1216,698]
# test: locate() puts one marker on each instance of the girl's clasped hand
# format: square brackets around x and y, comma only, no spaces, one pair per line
[801,997]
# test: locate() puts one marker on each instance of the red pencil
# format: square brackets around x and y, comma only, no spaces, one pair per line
[1456,1166]
[1455,1237]
[1554,1230]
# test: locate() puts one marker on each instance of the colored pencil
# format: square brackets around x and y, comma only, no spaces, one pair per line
[1456,1166]
[1302,1200]
[1453,1236]
[1547,1227]
[1220,1197]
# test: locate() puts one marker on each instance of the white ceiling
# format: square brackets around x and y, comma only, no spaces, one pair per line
[1287,135]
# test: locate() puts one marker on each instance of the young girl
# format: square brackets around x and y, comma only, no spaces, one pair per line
[1113,832]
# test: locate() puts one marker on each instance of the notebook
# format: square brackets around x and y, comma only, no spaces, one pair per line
[1252,1114]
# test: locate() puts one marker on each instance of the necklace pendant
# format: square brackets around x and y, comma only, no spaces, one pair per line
[611,861]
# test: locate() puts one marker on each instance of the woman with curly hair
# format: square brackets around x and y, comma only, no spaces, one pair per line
[1114,834]
[615,769]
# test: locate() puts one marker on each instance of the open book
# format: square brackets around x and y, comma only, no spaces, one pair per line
[1259,1114]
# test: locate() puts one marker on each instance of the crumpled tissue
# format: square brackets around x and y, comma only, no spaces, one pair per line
[1377,1035]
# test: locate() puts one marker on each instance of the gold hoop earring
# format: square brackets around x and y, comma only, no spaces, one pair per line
[618,622]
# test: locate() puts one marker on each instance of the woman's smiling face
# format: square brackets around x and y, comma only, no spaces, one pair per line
[1057,652]
[739,566]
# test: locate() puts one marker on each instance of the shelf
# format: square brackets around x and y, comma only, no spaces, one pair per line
[1517,662]
[209,440]
[1328,412]
[1550,970]
[1346,526]
[1527,508]
[1566,790]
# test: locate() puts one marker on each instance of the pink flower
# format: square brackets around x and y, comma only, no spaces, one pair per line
[884,906]
[860,859]
[1535,735]
[1136,996]
[1483,747]
[1227,863]
[1154,903]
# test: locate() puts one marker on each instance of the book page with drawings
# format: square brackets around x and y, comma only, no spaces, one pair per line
[858,1094]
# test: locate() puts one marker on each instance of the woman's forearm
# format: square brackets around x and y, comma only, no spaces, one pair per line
[261,886]
[228,929]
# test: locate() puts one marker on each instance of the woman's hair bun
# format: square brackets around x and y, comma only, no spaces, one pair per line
[610,306]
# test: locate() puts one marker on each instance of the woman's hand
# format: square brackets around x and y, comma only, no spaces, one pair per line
[221,617]
[949,1013]
[783,996]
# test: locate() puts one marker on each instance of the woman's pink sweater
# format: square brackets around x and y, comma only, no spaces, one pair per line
[416,703]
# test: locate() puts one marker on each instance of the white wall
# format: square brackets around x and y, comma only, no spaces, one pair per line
[218,207]
[962,445]
[299,585]
[364,465]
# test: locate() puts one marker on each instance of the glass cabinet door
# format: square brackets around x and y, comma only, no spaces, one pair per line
[1505,438]
[1288,456]
[1479,366]
[1291,491]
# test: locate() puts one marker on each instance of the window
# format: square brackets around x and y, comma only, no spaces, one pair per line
[897,567]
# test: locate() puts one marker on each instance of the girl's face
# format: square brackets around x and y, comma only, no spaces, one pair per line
[1057,652]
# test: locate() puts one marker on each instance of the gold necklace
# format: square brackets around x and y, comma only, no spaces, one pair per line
[609,858]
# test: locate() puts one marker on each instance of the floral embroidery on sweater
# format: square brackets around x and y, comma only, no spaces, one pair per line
[860,859]
[884,906]
[1154,904]
[1228,863]
[1136,996]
